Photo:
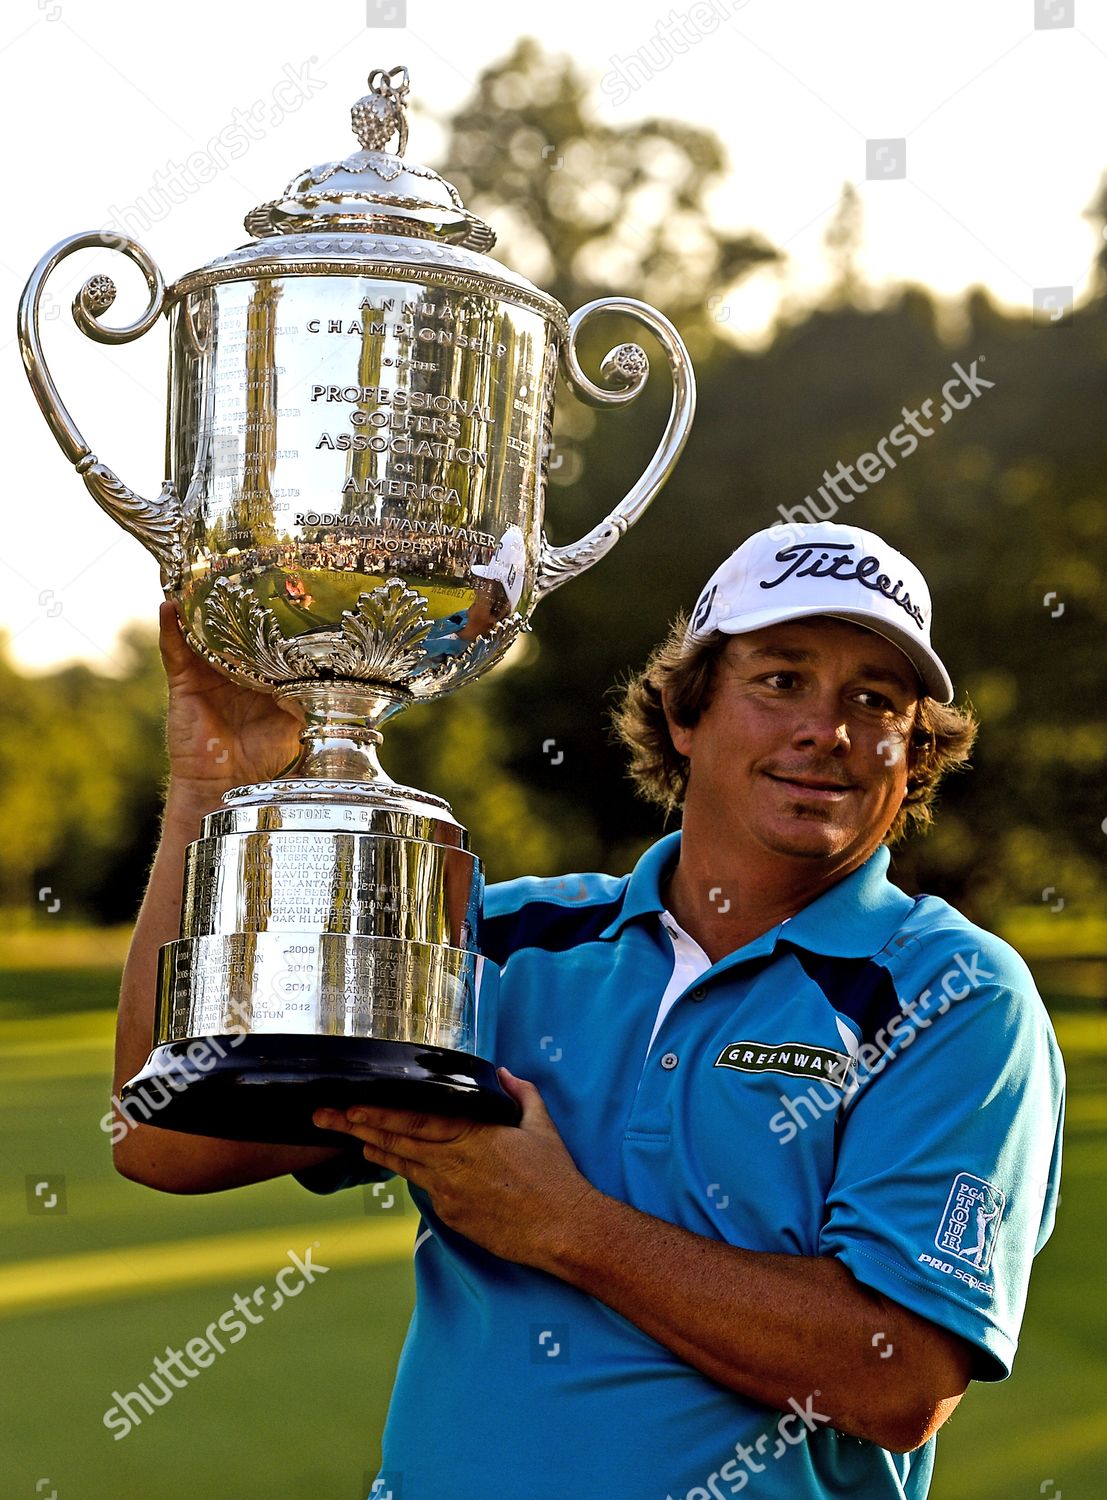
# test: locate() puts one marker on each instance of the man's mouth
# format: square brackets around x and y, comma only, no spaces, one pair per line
[820,788]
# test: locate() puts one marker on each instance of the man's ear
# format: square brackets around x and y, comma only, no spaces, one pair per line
[680,734]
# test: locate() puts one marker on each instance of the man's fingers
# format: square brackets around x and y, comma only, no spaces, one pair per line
[174,650]
[402,1166]
[525,1094]
[403,1122]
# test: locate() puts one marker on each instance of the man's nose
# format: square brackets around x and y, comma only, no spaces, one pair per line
[824,728]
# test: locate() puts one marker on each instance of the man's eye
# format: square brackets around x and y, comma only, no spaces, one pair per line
[878,700]
[780,679]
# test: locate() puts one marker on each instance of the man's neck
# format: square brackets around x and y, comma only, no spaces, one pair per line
[724,906]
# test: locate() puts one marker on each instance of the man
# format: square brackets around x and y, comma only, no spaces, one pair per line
[497,591]
[764,1092]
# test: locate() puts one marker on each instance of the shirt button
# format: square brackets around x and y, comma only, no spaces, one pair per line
[670,1060]
[699,992]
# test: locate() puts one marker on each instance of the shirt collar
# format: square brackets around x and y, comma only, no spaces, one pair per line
[854,918]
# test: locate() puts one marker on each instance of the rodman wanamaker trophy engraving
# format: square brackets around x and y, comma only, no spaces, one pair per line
[360,416]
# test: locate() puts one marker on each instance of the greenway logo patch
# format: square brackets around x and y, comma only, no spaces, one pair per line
[971,1220]
[793,1058]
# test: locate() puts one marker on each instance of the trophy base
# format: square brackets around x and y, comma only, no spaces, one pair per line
[265,1087]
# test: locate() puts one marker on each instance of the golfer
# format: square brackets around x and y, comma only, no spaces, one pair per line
[790,1137]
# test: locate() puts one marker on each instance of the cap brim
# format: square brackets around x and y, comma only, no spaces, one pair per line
[926,662]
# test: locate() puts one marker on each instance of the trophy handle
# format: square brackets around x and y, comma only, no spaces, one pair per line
[156,523]
[626,369]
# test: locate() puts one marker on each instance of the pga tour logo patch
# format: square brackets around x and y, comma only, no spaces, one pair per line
[971,1220]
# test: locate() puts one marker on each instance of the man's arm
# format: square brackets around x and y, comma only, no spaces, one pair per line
[776,1328]
[168,1159]
[218,735]
[772,1327]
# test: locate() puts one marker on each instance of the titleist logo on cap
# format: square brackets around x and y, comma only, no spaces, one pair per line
[847,567]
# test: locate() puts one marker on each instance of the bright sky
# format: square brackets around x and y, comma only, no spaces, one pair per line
[1002,120]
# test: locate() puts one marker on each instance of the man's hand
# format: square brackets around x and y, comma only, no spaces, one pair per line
[219,734]
[510,1189]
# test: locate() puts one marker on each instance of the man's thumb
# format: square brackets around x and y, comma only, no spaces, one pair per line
[524,1093]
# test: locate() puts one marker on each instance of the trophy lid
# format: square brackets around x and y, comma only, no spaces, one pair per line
[373,189]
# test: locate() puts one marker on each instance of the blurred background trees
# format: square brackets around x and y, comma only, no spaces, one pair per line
[1001,507]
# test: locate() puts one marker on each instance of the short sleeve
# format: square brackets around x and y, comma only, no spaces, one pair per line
[348,1169]
[948,1165]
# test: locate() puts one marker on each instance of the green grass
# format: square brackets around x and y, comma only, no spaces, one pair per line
[295,1409]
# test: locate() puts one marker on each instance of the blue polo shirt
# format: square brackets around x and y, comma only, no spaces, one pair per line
[874,1078]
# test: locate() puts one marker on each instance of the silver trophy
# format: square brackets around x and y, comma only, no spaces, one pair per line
[361,406]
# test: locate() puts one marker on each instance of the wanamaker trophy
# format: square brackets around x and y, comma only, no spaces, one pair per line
[360,414]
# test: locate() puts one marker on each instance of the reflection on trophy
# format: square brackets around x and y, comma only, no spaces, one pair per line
[361,407]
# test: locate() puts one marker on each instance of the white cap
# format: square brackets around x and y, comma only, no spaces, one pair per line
[790,572]
[507,565]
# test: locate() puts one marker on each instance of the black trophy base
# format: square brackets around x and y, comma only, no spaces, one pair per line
[264,1088]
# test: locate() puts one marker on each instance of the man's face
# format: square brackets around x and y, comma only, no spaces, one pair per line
[802,750]
[488,608]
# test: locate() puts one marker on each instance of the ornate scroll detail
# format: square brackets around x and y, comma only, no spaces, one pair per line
[247,631]
[626,364]
[155,523]
[383,636]
[97,295]
[626,370]
[556,565]
[478,655]
[382,640]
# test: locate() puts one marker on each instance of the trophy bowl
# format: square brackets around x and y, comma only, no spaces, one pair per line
[360,415]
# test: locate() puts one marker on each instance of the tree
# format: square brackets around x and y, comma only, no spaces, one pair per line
[586,209]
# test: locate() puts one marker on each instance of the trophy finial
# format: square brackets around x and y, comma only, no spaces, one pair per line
[374,189]
[379,115]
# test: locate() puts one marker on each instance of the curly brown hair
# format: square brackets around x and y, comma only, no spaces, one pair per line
[941,738]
